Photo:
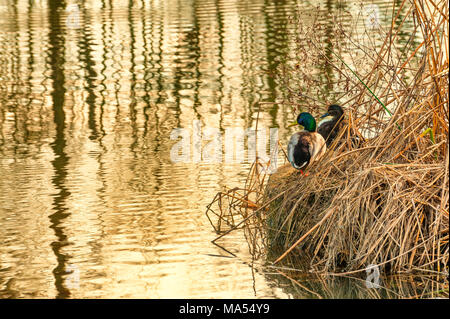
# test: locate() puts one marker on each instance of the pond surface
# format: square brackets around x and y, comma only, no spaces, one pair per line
[92,205]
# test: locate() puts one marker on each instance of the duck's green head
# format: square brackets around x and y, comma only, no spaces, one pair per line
[307,121]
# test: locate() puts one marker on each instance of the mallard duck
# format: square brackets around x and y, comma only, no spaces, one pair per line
[305,146]
[331,123]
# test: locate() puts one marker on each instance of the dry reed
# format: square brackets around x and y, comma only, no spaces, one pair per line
[383,201]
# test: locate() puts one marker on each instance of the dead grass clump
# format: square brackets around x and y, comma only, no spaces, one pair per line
[384,201]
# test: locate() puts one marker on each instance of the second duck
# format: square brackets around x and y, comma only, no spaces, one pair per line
[331,123]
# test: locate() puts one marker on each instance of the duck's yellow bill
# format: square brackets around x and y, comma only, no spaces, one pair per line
[292,124]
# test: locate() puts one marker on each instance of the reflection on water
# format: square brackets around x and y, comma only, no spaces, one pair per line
[356,287]
[90,203]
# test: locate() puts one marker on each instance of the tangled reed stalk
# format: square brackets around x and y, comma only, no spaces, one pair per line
[383,200]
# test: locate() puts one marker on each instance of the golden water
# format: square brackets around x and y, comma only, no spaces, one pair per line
[91,206]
